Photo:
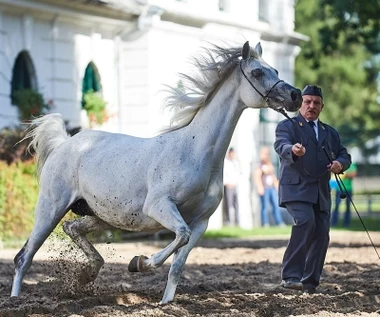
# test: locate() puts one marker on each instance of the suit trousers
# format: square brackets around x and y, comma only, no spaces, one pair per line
[305,254]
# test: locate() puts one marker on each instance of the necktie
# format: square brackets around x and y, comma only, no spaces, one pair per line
[312,125]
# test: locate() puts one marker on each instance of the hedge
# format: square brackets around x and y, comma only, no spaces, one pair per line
[18,197]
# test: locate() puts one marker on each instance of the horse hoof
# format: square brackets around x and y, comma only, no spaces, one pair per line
[136,264]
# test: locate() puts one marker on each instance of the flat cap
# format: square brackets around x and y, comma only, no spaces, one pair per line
[312,91]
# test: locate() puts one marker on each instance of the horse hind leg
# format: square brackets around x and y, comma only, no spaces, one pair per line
[77,230]
[46,218]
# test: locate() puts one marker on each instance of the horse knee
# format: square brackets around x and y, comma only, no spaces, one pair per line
[183,234]
[175,272]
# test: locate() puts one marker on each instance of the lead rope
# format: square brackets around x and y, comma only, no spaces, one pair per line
[340,185]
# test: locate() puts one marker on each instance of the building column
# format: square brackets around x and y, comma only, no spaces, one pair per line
[27,25]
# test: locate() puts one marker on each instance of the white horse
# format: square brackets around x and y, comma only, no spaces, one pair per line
[172,181]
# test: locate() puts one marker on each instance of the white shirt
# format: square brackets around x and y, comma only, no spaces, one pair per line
[231,172]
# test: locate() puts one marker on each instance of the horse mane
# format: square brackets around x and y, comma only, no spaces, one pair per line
[213,66]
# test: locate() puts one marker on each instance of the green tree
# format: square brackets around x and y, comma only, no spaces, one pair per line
[341,57]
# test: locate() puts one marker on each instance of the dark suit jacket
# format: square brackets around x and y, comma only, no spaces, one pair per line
[307,178]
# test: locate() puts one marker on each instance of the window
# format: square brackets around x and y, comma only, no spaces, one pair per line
[23,74]
[91,80]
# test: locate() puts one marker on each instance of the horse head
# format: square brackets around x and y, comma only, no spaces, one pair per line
[268,89]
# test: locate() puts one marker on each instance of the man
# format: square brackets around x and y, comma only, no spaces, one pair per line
[309,151]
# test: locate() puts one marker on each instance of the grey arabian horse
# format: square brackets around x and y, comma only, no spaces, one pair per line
[172,180]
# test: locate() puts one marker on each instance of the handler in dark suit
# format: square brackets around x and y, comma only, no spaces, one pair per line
[303,145]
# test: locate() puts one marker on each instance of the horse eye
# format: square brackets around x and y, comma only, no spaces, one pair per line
[257,73]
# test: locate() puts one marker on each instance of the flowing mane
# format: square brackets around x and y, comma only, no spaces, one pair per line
[194,92]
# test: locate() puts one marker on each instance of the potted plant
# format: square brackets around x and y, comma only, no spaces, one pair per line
[30,103]
[95,107]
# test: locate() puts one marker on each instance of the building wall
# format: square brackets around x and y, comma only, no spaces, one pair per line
[60,51]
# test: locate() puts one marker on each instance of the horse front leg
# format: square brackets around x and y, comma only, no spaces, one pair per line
[179,260]
[166,213]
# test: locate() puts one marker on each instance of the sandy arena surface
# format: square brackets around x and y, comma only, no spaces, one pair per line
[221,278]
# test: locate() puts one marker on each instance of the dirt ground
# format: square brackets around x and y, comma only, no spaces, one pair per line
[221,278]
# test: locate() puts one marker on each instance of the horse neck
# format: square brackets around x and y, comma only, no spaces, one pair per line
[215,123]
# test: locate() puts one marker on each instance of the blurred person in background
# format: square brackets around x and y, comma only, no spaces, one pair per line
[267,185]
[347,180]
[231,176]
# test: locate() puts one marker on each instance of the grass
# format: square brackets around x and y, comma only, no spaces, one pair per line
[236,232]
[371,223]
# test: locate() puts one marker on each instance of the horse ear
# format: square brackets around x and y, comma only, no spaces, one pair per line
[258,49]
[246,51]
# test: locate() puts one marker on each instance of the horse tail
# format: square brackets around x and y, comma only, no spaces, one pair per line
[47,133]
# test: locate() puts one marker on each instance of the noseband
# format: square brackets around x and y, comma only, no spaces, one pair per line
[266,96]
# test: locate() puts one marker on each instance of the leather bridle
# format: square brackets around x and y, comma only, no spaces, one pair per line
[266,96]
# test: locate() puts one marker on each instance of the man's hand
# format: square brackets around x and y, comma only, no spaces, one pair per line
[336,167]
[298,149]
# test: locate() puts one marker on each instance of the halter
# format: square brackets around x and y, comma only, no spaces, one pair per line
[266,96]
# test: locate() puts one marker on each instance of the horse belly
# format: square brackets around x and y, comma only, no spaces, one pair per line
[129,220]
[124,215]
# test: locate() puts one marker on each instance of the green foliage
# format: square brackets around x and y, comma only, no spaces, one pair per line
[340,58]
[18,196]
[30,103]
[358,20]
[95,106]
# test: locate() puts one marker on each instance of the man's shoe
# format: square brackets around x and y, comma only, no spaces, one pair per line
[291,284]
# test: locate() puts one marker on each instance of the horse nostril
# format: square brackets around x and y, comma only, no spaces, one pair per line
[294,95]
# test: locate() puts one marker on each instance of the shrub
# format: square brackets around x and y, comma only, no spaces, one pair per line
[30,103]
[95,107]
[18,197]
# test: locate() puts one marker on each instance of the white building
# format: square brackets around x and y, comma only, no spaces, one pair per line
[134,47]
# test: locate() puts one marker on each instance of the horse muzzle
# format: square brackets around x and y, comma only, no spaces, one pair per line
[285,97]
[296,101]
